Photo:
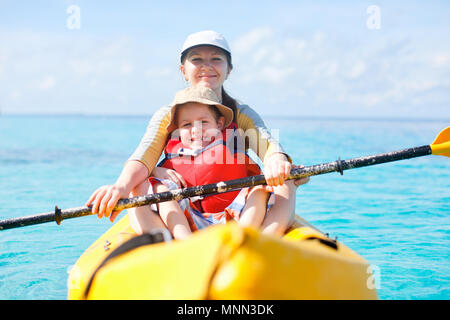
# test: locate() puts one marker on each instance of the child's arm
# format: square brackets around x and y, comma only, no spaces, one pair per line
[253,213]
[172,215]
[277,163]
[164,173]
[177,224]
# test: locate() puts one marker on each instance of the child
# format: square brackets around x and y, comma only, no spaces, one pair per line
[198,149]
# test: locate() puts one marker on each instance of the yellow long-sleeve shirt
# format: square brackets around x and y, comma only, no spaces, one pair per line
[154,140]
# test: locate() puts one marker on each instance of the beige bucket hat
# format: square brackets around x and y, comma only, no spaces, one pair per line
[202,95]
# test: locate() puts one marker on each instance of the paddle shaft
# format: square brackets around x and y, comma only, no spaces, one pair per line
[224,186]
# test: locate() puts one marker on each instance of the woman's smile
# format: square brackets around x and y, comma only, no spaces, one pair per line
[206,66]
[206,77]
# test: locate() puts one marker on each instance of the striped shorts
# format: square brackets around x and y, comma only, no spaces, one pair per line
[198,220]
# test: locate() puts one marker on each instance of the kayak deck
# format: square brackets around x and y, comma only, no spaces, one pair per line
[222,262]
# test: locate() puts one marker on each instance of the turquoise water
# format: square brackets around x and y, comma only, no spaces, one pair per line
[395,215]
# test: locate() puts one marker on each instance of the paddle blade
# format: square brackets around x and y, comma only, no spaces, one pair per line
[441,145]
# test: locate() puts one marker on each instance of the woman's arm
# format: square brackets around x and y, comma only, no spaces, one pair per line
[136,169]
[277,163]
[154,140]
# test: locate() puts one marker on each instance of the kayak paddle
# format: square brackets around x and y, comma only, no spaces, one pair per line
[440,146]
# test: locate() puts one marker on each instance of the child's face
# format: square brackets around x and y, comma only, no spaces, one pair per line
[197,125]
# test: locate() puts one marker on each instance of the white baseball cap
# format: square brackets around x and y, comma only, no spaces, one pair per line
[208,37]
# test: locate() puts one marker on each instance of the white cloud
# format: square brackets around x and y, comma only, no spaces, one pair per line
[91,75]
[442,60]
[79,66]
[126,68]
[317,69]
[260,55]
[248,41]
[318,37]
[357,70]
[325,69]
[294,45]
[375,74]
[159,72]
[3,63]
[15,94]
[47,82]
[274,74]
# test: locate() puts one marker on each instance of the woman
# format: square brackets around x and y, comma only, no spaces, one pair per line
[205,61]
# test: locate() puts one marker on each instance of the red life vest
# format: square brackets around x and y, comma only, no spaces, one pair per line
[212,164]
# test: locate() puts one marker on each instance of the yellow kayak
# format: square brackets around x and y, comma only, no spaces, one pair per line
[220,262]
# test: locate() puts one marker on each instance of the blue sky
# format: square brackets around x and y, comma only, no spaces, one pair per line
[291,58]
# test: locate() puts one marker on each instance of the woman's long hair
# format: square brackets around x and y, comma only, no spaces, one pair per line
[229,102]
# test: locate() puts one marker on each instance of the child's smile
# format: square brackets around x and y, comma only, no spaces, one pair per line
[197,125]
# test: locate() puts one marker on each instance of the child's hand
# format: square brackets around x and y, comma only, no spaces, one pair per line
[164,173]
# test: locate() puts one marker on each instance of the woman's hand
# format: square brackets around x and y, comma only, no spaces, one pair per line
[105,199]
[164,173]
[277,169]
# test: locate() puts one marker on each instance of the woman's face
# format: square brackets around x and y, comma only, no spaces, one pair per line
[206,66]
